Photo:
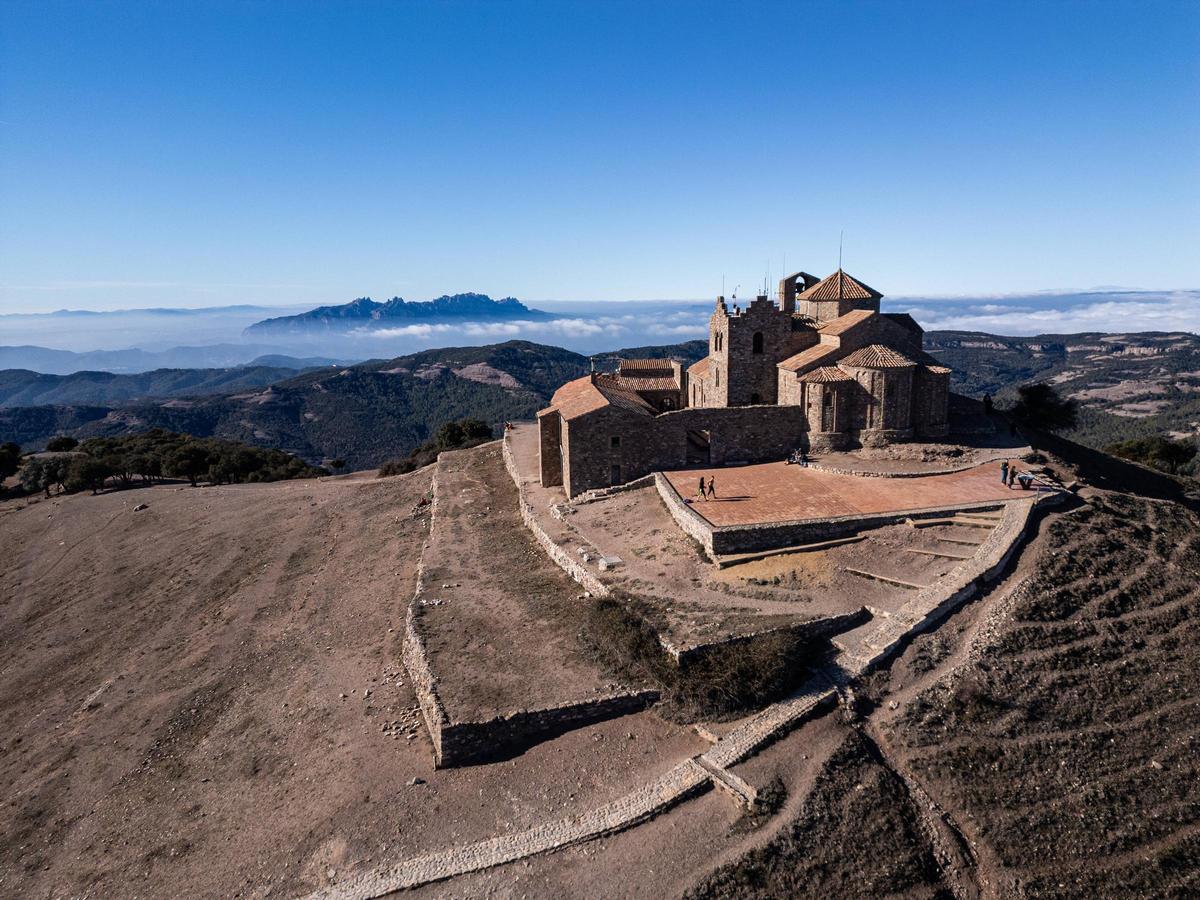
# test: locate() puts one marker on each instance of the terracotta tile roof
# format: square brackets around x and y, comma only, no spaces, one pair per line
[937,370]
[842,324]
[839,286]
[641,382]
[824,375]
[592,392]
[619,395]
[807,359]
[699,369]
[876,356]
[644,366]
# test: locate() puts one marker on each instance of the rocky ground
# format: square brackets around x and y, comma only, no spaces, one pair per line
[184,710]
[184,707]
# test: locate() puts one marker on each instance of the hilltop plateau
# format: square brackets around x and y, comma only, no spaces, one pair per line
[239,720]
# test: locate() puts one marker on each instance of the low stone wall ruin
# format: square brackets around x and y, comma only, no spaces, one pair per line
[720,540]
[560,556]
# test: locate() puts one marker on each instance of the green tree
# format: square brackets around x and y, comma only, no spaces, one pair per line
[190,460]
[10,459]
[61,443]
[35,476]
[1157,451]
[1039,406]
[87,472]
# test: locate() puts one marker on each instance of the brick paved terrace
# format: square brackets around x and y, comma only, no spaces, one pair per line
[776,492]
[697,602]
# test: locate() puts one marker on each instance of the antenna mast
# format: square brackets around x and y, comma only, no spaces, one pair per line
[841,234]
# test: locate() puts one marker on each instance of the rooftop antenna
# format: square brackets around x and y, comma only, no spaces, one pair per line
[841,234]
[722,285]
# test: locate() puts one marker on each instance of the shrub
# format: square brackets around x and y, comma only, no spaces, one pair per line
[10,459]
[450,436]
[1158,451]
[61,444]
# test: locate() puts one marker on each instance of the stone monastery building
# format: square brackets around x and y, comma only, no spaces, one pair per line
[822,369]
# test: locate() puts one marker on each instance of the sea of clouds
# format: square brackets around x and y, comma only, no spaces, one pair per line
[590,327]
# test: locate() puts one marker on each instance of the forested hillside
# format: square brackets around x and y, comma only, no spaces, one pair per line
[20,387]
[1129,386]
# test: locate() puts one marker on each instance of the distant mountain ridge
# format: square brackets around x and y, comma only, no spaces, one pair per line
[371,313]
[134,360]
[20,387]
[365,414]
[1129,385]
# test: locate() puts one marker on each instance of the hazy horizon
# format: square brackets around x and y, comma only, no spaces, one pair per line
[271,153]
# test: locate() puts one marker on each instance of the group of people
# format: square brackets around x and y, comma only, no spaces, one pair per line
[1009,474]
[708,491]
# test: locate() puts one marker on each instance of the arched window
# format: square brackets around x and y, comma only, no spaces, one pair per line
[758,342]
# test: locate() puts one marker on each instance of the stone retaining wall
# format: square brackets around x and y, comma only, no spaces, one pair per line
[721,540]
[560,557]
[465,743]
[771,536]
[955,588]
[600,493]
[689,521]
[640,804]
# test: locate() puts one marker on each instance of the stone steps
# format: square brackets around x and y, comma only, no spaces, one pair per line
[952,540]
[908,585]
[741,790]
[936,553]
[724,562]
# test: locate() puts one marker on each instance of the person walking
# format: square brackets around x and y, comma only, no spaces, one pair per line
[1012,475]
[703,495]
[1004,472]
[712,490]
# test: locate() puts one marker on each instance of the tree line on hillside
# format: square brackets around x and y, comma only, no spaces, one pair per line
[145,458]
[450,436]
[1040,406]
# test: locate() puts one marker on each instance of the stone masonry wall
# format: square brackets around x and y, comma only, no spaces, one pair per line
[645,445]
[465,743]
[557,554]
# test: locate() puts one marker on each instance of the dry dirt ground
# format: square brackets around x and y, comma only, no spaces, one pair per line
[171,718]
[500,620]
[171,722]
[1043,742]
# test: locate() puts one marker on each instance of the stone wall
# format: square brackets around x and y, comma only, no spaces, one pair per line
[689,521]
[557,554]
[931,400]
[468,743]
[735,435]
[751,538]
[726,539]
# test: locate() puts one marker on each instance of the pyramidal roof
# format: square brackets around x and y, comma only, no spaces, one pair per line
[839,286]
[876,356]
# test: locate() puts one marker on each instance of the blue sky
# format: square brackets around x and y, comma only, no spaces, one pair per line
[179,154]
